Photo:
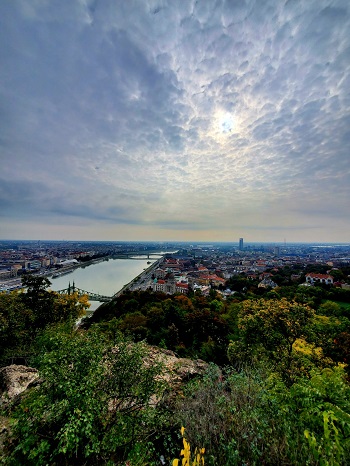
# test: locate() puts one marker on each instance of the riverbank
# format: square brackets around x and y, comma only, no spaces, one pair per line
[142,281]
[14,283]
[109,278]
[139,279]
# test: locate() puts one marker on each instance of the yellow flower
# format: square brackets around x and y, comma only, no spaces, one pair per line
[186,453]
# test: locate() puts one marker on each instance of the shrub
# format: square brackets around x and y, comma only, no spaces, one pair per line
[93,404]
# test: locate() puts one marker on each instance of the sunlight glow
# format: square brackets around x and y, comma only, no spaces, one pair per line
[226,123]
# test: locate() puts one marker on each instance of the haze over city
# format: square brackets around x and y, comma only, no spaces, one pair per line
[175,120]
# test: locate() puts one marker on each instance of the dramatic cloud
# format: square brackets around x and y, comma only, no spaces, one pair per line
[175,120]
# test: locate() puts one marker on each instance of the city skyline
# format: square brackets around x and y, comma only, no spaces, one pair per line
[175,121]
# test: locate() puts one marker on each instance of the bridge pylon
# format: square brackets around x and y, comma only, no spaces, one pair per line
[91,295]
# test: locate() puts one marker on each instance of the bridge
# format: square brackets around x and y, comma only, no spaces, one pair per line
[138,255]
[105,299]
[91,296]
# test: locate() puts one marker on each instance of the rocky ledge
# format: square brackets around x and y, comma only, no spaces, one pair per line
[176,370]
[14,380]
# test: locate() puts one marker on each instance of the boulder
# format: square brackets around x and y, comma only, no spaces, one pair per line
[176,370]
[14,380]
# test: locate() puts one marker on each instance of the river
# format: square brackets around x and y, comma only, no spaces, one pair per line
[105,278]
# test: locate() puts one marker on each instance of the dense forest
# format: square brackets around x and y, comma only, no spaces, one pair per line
[275,392]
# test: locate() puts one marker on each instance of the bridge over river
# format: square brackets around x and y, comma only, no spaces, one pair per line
[103,298]
[91,295]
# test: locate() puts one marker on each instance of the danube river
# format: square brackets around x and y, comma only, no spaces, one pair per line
[105,278]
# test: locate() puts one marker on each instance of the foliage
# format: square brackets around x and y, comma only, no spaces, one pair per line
[50,307]
[94,402]
[324,404]
[238,419]
[274,325]
[24,314]
[38,299]
[186,453]
[282,400]
[341,349]
[16,326]
[191,326]
[252,417]
[330,308]
[328,451]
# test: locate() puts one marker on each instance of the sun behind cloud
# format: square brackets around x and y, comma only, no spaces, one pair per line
[223,125]
[226,122]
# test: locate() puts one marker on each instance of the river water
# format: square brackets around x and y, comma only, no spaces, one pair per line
[105,278]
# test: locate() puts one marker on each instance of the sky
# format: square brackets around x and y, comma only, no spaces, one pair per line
[176,120]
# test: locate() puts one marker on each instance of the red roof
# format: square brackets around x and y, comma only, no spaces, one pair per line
[319,275]
[211,277]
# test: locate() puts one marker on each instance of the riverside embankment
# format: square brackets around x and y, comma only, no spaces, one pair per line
[107,277]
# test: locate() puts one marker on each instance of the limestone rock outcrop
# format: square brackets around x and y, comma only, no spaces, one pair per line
[176,370]
[14,380]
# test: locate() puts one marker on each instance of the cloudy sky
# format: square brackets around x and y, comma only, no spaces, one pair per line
[175,120]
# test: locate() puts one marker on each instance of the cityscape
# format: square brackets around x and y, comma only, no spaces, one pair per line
[182,265]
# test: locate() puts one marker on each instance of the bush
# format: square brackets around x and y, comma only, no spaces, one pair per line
[92,406]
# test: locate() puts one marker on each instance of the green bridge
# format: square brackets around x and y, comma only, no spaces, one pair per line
[91,296]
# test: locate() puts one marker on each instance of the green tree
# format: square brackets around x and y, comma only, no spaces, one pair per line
[16,326]
[323,404]
[330,308]
[93,405]
[48,306]
[134,324]
[274,325]
[23,314]
[38,299]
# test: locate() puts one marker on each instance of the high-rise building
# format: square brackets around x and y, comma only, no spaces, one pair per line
[240,247]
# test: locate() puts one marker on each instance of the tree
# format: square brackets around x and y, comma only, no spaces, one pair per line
[324,402]
[93,404]
[38,299]
[16,325]
[275,325]
[24,314]
[330,308]
[48,306]
[135,324]
[341,349]
[69,307]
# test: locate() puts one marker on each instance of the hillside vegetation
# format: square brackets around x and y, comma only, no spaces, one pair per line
[276,391]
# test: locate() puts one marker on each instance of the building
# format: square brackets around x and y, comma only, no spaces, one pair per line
[182,287]
[267,283]
[35,264]
[165,286]
[240,247]
[8,273]
[316,278]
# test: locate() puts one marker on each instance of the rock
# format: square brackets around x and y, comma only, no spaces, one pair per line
[176,370]
[14,380]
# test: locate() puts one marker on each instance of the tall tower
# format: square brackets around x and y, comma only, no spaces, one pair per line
[240,247]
